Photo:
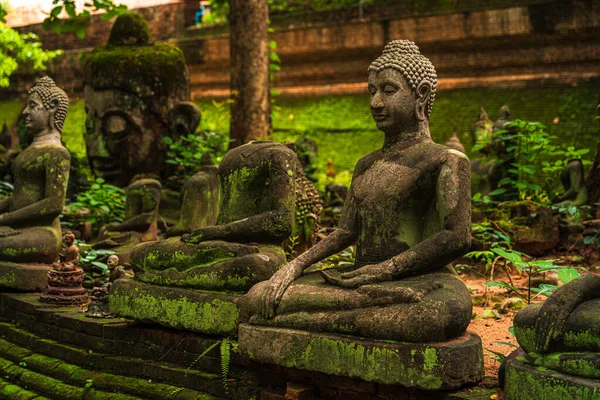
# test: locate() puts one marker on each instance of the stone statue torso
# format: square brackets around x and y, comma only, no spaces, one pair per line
[393,200]
[30,170]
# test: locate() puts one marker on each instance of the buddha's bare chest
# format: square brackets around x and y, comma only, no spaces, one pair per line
[31,165]
[394,185]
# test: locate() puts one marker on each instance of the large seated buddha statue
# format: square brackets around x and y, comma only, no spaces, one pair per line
[30,233]
[561,340]
[193,282]
[408,211]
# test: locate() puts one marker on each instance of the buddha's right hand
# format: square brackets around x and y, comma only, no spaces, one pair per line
[275,289]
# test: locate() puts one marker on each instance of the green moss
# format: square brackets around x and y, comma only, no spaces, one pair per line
[236,190]
[183,261]
[212,280]
[582,340]
[150,71]
[571,363]
[213,316]
[129,28]
[7,279]
[524,383]
[384,365]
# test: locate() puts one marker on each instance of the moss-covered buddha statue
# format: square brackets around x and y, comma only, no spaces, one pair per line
[561,340]
[136,92]
[194,282]
[142,199]
[408,210]
[30,232]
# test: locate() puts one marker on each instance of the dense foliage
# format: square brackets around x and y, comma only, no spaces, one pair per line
[78,22]
[20,50]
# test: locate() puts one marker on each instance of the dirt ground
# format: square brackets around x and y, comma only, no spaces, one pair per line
[492,325]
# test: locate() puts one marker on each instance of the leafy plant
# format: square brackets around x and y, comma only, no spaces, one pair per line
[93,263]
[6,189]
[89,383]
[101,204]
[532,160]
[186,152]
[226,346]
[20,51]
[78,22]
[533,268]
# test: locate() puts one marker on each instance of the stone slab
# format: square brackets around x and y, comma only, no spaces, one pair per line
[427,366]
[201,312]
[526,382]
[25,277]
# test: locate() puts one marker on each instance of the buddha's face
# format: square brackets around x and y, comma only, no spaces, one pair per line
[112,262]
[37,117]
[69,240]
[393,102]
[124,134]
[123,137]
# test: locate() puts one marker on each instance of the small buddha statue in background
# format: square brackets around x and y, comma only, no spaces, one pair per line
[65,280]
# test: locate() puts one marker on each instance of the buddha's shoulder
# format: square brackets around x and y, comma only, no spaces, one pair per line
[365,162]
[49,151]
[441,152]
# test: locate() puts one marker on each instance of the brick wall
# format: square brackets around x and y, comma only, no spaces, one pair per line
[514,46]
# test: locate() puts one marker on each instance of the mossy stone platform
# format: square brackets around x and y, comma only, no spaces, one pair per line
[525,382]
[191,310]
[25,277]
[427,366]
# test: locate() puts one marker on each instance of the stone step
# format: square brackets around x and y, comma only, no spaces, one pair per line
[58,379]
[19,340]
[9,390]
[115,336]
[33,382]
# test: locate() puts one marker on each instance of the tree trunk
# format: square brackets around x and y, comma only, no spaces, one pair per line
[593,178]
[249,50]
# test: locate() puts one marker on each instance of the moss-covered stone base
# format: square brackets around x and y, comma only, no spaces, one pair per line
[208,313]
[25,277]
[428,366]
[526,382]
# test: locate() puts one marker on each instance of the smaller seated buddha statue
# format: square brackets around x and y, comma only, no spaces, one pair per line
[561,341]
[99,308]
[408,212]
[30,230]
[208,269]
[65,280]
[199,199]
[572,179]
[142,199]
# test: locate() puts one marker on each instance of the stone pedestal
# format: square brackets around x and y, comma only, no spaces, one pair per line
[65,288]
[525,382]
[25,277]
[427,366]
[192,310]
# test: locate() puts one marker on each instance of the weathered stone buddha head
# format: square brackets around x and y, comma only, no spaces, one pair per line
[136,92]
[402,83]
[47,107]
